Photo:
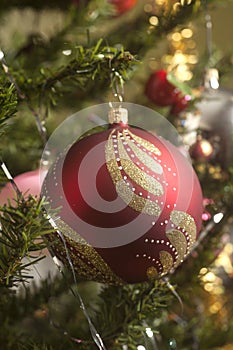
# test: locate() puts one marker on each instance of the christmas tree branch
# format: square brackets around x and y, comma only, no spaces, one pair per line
[22,226]
[100,64]
[8,101]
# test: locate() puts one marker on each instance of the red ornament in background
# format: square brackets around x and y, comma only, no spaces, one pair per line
[131,204]
[201,150]
[160,91]
[181,103]
[28,183]
[123,6]
[163,93]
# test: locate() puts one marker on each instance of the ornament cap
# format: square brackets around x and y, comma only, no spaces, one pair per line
[118,115]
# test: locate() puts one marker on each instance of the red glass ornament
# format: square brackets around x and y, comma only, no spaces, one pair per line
[179,105]
[123,6]
[131,205]
[201,150]
[160,91]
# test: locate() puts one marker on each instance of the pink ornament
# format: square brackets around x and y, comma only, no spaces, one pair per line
[28,183]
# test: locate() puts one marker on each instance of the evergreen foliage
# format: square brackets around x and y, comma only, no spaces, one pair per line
[89,56]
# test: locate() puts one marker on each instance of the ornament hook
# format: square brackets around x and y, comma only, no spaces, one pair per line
[117,114]
[117,83]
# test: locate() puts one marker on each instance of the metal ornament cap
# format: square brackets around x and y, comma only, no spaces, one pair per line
[118,115]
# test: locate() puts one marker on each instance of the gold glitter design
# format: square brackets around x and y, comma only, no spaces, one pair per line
[166,261]
[144,180]
[124,191]
[114,171]
[146,144]
[152,273]
[144,158]
[178,241]
[186,222]
[133,200]
[150,207]
[109,149]
[136,202]
[88,264]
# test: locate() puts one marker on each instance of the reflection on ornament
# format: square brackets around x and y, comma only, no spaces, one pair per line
[131,204]
[180,104]
[206,216]
[201,150]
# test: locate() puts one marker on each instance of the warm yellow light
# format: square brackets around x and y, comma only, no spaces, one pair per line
[185,2]
[176,36]
[177,45]
[176,6]
[167,59]
[179,58]
[187,76]
[208,287]
[192,59]
[206,148]
[218,290]
[160,2]
[209,277]
[148,8]
[182,68]
[214,308]
[203,271]
[228,248]
[187,33]
[154,21]
[225,261]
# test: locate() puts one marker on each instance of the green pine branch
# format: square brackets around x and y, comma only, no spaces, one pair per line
[8,101]
[125,312]
[22,226]
[86,67]
[49,317]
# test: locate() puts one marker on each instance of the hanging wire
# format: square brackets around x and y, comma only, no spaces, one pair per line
[208,35]
[10,178]
[211,77]
[174,292]
[208,23]
[117,84]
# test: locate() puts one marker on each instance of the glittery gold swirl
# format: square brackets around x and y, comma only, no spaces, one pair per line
[124,191]
[144,158]
[136,202]
[152,273]
[166,261]
[109,149]
[114,170]
[88,264]
[144,180]
[186,222]
[146,144]
[178,240]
